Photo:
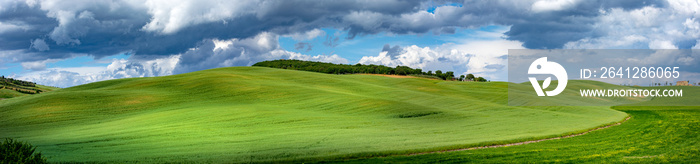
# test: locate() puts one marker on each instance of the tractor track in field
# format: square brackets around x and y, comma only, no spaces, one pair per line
[518,143]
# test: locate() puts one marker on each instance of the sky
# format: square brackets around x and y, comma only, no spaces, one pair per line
[66,43]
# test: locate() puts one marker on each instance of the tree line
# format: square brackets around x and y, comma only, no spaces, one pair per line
[6,80]
[331,68]
[18,85]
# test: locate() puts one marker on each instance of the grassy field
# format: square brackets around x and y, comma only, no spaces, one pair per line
[243,114]
[654,134]
[651,136]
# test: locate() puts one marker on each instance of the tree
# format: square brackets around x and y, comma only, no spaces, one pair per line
[461,77]
[12,151]
[439,74]
[449,75]
[470,77]
[480,79]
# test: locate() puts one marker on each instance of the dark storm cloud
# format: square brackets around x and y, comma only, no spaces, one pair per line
[102,28]
[96,31]
[554,29]
[32,23]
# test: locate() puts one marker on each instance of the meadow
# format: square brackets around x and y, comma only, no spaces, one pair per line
[660,130]
[256,114]
[654,134]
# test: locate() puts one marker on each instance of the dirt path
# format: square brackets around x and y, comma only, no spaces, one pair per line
[520,143]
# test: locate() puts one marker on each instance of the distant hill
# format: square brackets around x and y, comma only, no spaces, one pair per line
[10,88]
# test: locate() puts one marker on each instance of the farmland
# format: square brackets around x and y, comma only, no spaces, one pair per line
[256,114]
[652,135]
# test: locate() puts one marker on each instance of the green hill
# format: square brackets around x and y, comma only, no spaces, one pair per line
[244,114]
[660,130]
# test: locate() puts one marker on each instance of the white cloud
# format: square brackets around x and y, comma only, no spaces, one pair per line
[169,16]
[480,57]
[552,5]
[662,44]
[418,57]
[157,67]
[644,17]
[490,52]
[81,70]
[686,7]
[646,27]
[37,65]
[693,27]
[54,78]
[308,35]
[221,44]
[119,68]
[482,54]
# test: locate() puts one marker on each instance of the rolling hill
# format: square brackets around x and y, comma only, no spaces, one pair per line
[254,114]
[660,130]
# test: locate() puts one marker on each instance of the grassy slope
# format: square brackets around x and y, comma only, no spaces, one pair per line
[654,134]
[7,93]
[253,114]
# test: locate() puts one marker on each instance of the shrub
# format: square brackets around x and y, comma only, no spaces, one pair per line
[12,151]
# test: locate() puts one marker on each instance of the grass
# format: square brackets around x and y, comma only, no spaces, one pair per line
[254,114]
[654,134]
[6,93]
[651,136]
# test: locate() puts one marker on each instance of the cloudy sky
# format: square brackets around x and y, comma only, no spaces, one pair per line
[71,42]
